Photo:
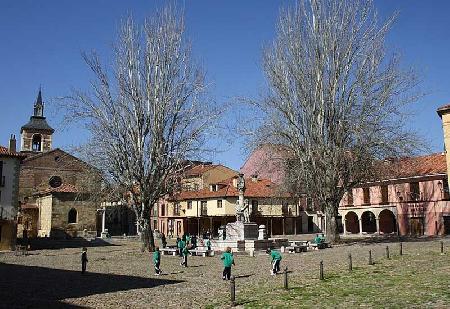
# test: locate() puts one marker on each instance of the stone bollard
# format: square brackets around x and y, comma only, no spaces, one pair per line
[286,278]
[321,270]
[350,266]
[387,252]
[282,249]
[442,247]
[401,248]
[251,253]
[233,291]
[370,257]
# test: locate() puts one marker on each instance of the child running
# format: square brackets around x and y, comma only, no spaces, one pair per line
[157,261]
[276,260]
[228,260]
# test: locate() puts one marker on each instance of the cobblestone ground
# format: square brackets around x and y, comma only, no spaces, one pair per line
[120,276]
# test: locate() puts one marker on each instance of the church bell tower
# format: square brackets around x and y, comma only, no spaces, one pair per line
[36,135]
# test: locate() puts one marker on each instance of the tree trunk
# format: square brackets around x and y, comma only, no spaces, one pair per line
[332,231]
[146,233]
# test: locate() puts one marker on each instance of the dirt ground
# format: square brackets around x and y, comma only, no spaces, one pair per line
[120,276]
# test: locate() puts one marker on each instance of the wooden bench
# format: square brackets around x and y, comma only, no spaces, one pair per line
[21,250]
[315,246]
[172,251]
[202,252]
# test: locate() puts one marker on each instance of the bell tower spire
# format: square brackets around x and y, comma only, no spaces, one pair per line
[39,105]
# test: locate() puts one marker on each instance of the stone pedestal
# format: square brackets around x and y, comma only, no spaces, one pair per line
[262,233]
[241,230]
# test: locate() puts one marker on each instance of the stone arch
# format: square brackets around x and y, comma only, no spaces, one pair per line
[388,224]
[352,222]
[72,217]
[369,222]
[36,142]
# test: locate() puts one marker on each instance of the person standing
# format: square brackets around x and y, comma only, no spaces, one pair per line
[208,244]
[157,261]
[163,240]
[84,260]
[228,261]
[185,253]
[181,244]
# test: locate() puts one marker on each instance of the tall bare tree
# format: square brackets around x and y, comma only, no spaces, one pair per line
[148,115]
[336,98]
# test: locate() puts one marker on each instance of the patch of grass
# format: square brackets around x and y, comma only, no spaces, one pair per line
[402,281]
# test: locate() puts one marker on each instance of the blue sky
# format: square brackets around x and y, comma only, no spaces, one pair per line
[41,42]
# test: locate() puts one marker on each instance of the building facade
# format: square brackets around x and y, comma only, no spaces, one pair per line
[56,188]
[9,194]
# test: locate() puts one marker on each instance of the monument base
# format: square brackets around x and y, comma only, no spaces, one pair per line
[241,231]
[249,245]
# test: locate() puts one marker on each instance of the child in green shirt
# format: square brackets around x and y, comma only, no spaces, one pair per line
[208,244]
[276,260]
[184,254]
[228,260]
[157,261]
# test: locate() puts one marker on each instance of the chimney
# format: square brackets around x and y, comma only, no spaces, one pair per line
[444,113]
[12,143]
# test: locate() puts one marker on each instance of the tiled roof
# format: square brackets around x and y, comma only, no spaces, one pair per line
[432,164]
[64,188]
[260,188]
[5,152]
[199,169]
[442,109]
[29,206]
[37,123]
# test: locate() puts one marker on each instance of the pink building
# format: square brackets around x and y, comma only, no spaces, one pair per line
[412,200]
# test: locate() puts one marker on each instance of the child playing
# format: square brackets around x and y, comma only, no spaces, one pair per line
[228,260]
[84,260]
[157,260]
[276,260]
[180,245]
[185,253]
[208,244]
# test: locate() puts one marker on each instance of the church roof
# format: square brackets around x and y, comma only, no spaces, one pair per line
[37,123]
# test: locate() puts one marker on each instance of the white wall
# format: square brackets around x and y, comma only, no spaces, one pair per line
[8,198]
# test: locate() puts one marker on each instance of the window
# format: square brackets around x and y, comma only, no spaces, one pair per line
[219,203]
[445,189]
[55,181]
[72,217]
[366,195]
[189,205]
[384,194]
[36,142]
[254,206]
[350,197]
[414,191]
[2,178]
[309,203]
[203,208]
[163,210]
[176,209]
[213,188]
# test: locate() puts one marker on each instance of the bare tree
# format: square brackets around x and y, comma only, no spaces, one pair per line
[336,98]
[149,115]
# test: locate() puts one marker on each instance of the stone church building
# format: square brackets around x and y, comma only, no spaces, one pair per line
[55,187]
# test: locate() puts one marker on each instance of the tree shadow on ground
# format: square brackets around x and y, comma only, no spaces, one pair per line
[38,287]
[77,242]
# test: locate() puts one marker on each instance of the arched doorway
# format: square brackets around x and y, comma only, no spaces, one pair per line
[351,223]
[369,224]
[388,224]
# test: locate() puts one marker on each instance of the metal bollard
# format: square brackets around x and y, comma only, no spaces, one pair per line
[350,266]
[442,247]
[387,252]
[233,291]
[286,278]
[370,257]
[321,270]
[401,248]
